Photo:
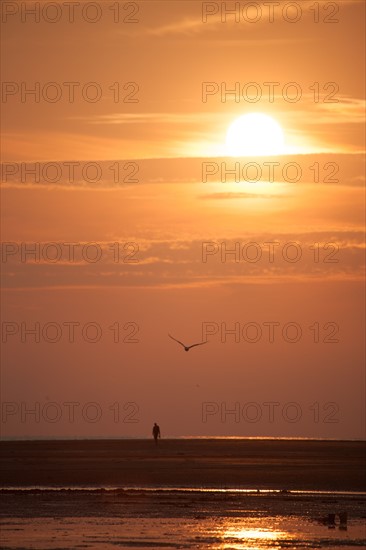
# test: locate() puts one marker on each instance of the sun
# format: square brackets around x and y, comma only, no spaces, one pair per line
[254,134]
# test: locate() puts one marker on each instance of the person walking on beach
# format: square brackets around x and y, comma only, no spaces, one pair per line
[156,433]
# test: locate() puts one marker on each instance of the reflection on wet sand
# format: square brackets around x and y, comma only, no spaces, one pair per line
[201,519]
[252,533]
[274,532]
[213,533]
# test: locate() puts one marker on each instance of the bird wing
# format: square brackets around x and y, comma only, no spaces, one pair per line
[179,342]
[200,344]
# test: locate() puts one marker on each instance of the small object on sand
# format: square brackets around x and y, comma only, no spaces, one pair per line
[343,518]
[331,520]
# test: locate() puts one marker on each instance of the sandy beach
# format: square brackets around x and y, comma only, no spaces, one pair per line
[252,464]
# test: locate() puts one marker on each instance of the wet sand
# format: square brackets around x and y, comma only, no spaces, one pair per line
[100,494]
[215,533]
[253,464]
[97,519]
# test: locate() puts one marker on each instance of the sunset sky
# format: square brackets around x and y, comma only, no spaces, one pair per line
[163,142]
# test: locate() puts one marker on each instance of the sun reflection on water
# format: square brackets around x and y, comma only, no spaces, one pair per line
[254,534]
[251,533]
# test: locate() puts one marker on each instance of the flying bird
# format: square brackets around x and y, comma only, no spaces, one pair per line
[187,348]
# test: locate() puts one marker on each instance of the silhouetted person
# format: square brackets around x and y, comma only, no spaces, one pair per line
[156,433]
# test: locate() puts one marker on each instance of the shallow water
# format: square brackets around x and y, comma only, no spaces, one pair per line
[213,533]
[147,517]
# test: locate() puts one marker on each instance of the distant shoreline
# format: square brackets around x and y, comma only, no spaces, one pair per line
[174,438]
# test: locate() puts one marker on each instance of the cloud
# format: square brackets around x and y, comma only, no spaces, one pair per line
[235,260]
[210,21]
[185,27]
[152,118]
[132,175]
[345,110]
[225,196]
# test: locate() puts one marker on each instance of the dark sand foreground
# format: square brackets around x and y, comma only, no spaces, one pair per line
[254,464]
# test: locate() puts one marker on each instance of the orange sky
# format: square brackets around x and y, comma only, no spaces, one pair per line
[163,142]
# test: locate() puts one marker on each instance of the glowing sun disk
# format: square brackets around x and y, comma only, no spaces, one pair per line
[254,134]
